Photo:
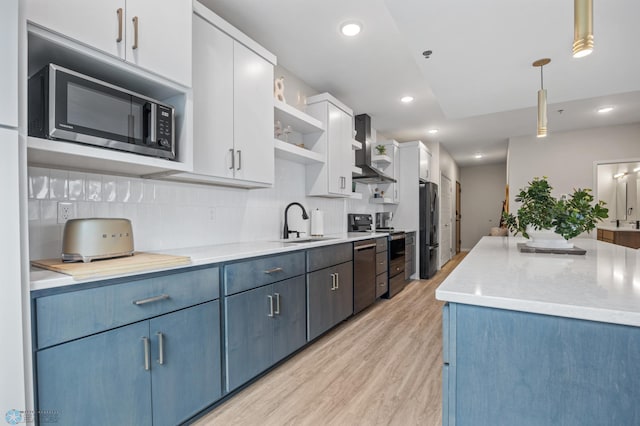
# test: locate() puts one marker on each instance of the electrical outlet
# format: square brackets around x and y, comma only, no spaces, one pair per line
[66,211]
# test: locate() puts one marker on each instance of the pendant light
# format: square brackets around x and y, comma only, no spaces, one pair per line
[582,28]
[542,100]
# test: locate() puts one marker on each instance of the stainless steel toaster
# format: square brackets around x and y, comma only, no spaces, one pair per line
[95,238]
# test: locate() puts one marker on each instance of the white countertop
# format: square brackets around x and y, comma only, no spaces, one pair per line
[603,285]
[44,279]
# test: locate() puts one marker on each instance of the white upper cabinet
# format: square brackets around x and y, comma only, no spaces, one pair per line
[212,100]
[332,179]
[153,34]
[9,68]
[252,116]
[425,164]
[233,108]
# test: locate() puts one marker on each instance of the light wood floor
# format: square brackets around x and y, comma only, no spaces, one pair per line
[381,367]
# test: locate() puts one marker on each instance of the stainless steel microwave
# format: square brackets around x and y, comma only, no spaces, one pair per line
[70,106]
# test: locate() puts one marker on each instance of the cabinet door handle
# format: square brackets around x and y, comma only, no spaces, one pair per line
[333,282]
[270,314]
[135,32]
[239,160]
[337,280]
[119,13]
[160,348]
[145,343]
[272,270]
[277,296]
[151,299]
[233,159]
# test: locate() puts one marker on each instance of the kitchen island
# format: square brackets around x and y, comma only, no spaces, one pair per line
[541,339]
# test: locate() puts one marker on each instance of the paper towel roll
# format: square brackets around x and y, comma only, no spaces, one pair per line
[317,223]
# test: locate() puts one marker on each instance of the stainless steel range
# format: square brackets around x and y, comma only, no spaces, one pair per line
[396,249]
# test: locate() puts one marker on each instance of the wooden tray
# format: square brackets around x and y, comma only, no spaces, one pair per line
[524,248]
[140,261]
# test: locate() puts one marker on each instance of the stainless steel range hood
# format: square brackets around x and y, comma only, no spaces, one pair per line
[363,156]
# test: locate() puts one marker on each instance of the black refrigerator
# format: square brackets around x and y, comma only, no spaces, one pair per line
[428,237]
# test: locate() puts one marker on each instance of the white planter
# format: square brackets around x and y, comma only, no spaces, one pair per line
[546,238]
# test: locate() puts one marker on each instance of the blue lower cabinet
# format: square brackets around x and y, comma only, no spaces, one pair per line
[290,332]
[185,362]
[97,380]
[263,326]
[159,371]
[329,298]
[249,335]
[511,367]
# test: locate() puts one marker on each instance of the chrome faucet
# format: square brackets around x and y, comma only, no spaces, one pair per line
[285,231]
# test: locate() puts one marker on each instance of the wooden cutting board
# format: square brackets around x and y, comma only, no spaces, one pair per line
[140,261]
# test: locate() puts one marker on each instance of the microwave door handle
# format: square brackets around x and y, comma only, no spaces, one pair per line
[153,123]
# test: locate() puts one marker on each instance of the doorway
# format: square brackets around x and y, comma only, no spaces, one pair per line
[446,225]
[458,215]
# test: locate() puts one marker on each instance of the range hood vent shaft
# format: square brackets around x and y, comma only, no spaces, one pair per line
[363,156]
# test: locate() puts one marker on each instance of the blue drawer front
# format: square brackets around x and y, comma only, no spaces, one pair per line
[323,257]
[68,316]
[250,274]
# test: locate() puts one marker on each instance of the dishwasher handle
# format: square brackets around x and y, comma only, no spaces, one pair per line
[364,247]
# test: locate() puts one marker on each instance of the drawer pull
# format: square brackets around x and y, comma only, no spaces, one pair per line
[160,348]
[270,314]
[145,343]
[272,270]
[277,296]
[151,299]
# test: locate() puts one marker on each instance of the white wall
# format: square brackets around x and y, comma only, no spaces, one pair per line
[172,215]
[567,158]
[481,201]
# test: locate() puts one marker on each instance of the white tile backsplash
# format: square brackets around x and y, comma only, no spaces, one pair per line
[169,215]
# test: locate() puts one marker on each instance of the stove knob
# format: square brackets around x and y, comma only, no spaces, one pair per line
[164,143]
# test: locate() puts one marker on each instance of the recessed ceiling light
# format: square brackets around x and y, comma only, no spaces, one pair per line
[433,131]
[351,29]
[604,110]
[478,156]
[407,99]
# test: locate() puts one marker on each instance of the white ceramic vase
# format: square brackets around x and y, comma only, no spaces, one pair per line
[546,238]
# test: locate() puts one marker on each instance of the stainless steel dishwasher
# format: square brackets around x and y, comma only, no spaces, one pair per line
[364,274]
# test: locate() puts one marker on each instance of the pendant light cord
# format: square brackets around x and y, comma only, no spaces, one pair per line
[541,78]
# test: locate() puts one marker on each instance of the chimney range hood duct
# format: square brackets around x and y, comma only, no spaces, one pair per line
[363,156]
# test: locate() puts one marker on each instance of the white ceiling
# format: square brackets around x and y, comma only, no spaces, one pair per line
[478,87]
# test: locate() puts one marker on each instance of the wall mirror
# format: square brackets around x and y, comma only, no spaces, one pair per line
[618,185]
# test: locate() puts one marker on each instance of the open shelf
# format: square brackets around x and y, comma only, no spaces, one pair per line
[292,152]
[381,200]
[382,160]
[356,144]
[356,196]
[75,156]
[299,121]
[356,170]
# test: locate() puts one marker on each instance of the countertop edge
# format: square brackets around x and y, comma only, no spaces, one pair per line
[543,308]
[42,279]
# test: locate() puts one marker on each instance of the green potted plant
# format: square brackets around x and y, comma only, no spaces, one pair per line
[381,149]
[551,222]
